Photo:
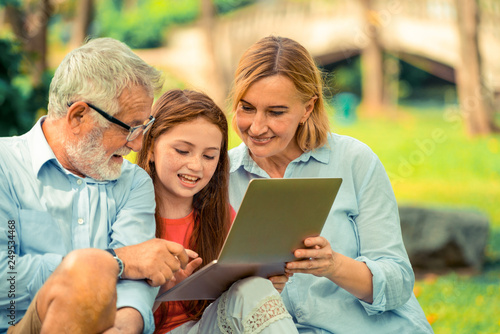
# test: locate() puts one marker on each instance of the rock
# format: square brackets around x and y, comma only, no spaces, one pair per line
[444,238]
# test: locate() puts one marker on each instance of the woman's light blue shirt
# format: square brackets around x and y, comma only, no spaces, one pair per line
[46,212]
[364,225]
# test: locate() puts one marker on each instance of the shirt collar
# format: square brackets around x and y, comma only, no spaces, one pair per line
[41,153]
[321,154]
[40,150]
[242,158]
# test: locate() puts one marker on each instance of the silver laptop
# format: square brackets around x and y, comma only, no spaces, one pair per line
[274,218]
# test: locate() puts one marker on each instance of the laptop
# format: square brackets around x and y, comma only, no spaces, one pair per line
[274,218]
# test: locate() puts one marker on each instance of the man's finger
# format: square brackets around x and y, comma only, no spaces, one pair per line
[179,252]
[192,254]
[156,279]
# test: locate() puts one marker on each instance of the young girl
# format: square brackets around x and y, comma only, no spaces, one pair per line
[185,153]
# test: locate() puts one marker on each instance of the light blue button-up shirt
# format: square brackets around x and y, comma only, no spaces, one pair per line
[46,212]
[364,225]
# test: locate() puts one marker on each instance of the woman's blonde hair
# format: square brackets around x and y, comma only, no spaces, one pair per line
[274,55]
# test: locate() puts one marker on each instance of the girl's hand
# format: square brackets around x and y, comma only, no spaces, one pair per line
[317,259]
[181,274]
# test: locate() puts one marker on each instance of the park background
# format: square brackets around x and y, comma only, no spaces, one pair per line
[416,80]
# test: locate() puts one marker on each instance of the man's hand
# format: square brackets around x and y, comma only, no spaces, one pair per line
[155,260]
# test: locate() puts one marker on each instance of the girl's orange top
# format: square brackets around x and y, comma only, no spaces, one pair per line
[180,231]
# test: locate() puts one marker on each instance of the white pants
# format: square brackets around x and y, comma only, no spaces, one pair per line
[251,305]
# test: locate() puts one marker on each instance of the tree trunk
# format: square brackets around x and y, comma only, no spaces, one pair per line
[371,64]
[392,69]
[217,90]
[2,17]
[31,30]
[476,100]
[81,22]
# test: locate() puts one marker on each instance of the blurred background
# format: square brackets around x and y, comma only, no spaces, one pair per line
[416,80]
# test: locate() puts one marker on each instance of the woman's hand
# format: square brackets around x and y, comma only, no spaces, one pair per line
[317,259]
[320,260]
[279,282]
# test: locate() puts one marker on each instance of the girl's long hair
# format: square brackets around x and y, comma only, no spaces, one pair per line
[211,204]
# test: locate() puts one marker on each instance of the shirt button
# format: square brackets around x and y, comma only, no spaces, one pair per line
[79,181]
[80,221]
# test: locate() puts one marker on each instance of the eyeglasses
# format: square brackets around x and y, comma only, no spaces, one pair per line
[133,131]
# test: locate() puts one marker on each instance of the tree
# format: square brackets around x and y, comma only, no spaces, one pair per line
[15,111]
[81,23]
[476,100]
[371,63]
[208,15]
[29,22]
[25,79]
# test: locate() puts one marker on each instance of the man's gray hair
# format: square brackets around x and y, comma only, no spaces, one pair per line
[97,73]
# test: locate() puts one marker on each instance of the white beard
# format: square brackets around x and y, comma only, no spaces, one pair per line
[88,156]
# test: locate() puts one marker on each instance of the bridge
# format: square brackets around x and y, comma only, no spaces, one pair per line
[333,30]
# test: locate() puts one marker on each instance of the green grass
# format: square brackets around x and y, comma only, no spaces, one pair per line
[460,304]
[433,163]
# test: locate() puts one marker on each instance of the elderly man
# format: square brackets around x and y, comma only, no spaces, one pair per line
[78,253]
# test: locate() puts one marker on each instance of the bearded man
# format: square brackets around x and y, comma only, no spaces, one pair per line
[78,253]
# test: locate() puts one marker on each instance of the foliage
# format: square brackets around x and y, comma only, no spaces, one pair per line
[226,6]
[19,102]
[9,2]
[143,23]
[10,95]
[344,76]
